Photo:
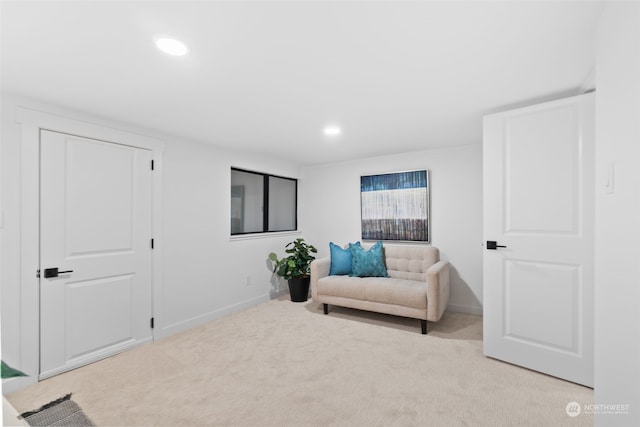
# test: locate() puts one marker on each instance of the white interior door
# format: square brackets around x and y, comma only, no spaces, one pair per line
[95,225]
[539,204]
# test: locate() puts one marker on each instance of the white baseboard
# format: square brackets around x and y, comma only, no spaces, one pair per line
[468,309]
[12,385]
[77,362]
[166,331]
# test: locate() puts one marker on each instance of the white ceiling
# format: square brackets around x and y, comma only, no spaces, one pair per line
[268,76]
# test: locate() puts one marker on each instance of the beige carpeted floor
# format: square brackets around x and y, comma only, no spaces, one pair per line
[287,364]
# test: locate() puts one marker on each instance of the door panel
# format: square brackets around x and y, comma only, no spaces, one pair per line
[539,203]
[96,195]
[529,285]
[96,223]
[541,148]
[100,314]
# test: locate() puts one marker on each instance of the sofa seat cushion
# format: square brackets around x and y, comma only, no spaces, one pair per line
[387,290]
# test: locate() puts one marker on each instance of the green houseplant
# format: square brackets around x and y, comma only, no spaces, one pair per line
[295,267]
[9,372]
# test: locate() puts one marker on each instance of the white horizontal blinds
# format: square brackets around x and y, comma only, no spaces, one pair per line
[282,204]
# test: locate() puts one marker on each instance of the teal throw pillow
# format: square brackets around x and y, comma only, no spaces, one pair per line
[341,259]
[368,263]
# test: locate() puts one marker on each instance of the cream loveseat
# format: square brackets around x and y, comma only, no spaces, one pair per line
[417,286]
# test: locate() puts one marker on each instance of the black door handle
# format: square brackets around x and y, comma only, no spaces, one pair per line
[491,244]
[53,272]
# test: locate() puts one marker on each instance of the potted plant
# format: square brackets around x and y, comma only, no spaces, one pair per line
[9,372]
[295,268]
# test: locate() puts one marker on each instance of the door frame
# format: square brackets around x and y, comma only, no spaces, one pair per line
[31,123]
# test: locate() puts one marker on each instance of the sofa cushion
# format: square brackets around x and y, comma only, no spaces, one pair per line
[410,262]
[368,263]
[408,293]
[341,259]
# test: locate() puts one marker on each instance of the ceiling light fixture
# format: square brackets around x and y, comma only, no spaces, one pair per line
[171,46]
[332,131]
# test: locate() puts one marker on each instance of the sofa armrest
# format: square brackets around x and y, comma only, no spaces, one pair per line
[437,290]
[319,268]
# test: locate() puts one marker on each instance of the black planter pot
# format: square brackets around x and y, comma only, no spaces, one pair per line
[299,288]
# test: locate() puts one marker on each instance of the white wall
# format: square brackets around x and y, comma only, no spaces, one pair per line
[205,271]
[330,201]
[206,274]
[10,237]
[617,334]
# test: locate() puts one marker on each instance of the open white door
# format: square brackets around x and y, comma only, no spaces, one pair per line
[539,237]
[96,231]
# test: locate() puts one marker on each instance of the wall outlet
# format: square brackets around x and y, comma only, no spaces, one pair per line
[248,280]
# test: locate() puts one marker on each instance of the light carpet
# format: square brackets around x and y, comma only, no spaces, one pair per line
[286,364]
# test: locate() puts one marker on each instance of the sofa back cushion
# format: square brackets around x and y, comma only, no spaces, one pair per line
[410,262]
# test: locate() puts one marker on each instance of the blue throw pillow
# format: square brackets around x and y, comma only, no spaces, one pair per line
[341,259]
[368,263]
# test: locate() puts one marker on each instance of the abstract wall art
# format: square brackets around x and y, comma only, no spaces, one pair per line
[395,206]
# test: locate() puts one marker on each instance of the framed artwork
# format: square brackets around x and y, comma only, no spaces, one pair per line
[395,206]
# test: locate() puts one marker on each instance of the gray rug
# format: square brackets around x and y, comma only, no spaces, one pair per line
[60,412]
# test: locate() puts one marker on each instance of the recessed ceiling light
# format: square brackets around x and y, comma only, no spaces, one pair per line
[332,131]
[171,46]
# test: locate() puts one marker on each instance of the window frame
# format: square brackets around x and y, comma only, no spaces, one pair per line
[265,203]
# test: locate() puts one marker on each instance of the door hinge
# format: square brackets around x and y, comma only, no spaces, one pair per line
[152,243]
[152,165]
[152,323]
